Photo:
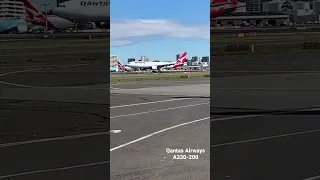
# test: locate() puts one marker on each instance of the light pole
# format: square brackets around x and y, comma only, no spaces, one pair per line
[267,8]
[46,12]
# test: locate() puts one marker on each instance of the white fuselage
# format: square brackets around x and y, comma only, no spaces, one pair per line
[60,23]
[149,65]
[84,10]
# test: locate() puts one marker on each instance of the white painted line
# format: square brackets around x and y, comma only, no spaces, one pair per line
[61,52]
[183,124]
[15,72]
[159,110]
[74,65]
[53,139]
[27,86]
[14,84]
[157,132]
[313,178]
[55,169]
[115,131]
[13,67]
[266,138]
[152,102]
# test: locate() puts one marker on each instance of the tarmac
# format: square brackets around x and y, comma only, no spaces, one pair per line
[53,121]
[264,117]
[6,37]
[155,116]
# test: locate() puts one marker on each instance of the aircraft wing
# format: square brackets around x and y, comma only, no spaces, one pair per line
[165,65]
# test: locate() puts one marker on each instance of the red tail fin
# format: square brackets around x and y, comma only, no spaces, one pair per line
[121,66]
[34,15]
[182,59]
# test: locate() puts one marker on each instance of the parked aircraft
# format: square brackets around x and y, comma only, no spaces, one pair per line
[37,18]
[222,7]
[8,26]
[156,66]
[124,68]
[113,69]
[82,11]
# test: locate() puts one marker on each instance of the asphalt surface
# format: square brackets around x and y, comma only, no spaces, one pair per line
[152,117]
[54,121]
[6,37]
[54,51]
[271,30]
[265,117]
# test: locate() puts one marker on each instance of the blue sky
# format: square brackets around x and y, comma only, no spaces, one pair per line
[39,4]
[159,29]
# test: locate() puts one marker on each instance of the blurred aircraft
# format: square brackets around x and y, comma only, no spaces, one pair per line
[222,7]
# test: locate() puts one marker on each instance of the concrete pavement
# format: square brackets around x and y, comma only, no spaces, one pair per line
[51,132]
[172,120]
[269,107]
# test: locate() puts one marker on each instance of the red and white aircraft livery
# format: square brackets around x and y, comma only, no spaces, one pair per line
[158,65]
[123,68]
[222,7]
[39,19]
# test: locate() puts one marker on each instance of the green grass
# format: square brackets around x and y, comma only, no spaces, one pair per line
[265,44]
[53,51]
[263,38]
[124,78]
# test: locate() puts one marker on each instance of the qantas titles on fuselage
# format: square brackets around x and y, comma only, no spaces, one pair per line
[94,3]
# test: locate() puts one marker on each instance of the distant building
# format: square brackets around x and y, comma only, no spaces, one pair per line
[177,56]
[254,5]
[144,58]
[188,61]
[10,9]
[195,60]
[114,61]
[131,60]
[205,59]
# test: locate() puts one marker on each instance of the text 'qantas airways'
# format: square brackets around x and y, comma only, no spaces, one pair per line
[95,3]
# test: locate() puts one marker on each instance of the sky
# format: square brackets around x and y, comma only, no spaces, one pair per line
[39,4]
[159,29]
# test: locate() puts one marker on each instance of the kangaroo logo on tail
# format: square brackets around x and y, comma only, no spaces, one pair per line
[34,15]
[121,66]
[182,59]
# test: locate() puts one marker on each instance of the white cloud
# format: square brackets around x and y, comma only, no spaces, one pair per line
[127,31]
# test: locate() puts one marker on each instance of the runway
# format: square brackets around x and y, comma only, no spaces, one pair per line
[54,121]
[53,51]
[155,116]
[264,117]
[11,37]
[305,28]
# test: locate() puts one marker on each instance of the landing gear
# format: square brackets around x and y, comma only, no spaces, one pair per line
[156,71]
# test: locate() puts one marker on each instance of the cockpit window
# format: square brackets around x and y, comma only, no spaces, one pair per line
[62,6]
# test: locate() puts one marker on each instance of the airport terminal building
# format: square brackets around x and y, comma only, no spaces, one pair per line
[251,18]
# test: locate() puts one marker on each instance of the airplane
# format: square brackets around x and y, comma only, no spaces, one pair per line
[124,68]
[11,26]
[113,69]
[156,66]
[221,7]
[82,11]
[37,18]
